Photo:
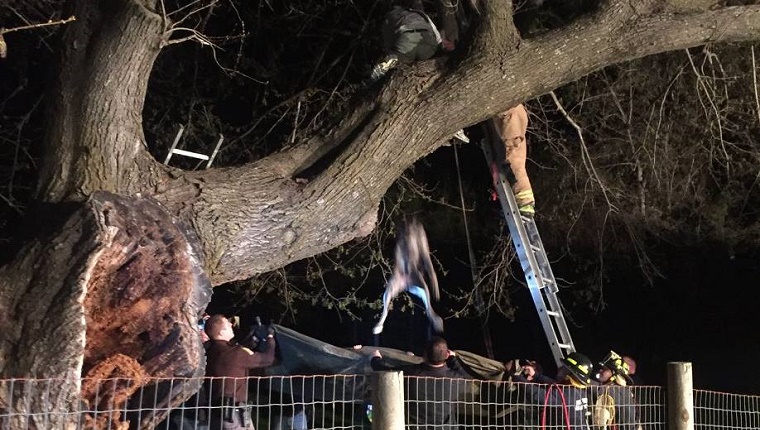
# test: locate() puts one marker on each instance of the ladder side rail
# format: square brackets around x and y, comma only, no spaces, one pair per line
[564,331]
[551,290]
[551,287]
[541,257]
[174,144]
[526,255]
[216,150]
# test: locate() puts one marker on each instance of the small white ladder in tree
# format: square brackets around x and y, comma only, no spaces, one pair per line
[535,264]
[208,159]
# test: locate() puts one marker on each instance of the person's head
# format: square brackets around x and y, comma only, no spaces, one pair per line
[631,364]
[531,368]
[437,351]
[613,370]
[604,375]
[218,327]
[576,370]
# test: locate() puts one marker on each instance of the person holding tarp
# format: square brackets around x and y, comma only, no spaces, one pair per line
[563,403]
[227,366]
[432,387]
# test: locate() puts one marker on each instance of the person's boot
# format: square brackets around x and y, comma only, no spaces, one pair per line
[385,65]
[528,209]
[459,135]
[526,203]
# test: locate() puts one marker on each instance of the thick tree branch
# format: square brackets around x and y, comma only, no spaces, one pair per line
[293,160]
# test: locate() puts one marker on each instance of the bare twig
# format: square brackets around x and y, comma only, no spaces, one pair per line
[42,24]
[194,35]
[210,6]
[295,123]
[3,31]
[584,150]
[754,82]
[701,81]
[11,204]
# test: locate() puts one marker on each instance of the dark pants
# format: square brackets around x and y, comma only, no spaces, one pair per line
[414,45]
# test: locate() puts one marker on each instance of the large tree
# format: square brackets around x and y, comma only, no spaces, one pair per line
[126,249]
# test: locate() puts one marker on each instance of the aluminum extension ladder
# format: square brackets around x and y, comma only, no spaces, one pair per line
[198,156]
[538,272]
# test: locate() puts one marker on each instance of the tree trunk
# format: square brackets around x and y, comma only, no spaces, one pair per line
[94,138]
[115,292]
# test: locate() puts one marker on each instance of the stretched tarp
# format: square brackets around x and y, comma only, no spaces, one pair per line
[303,355]
[299,354]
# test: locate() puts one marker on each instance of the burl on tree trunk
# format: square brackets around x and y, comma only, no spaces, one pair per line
[114,293]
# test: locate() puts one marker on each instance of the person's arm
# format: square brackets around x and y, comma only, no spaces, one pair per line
[455,366]
[378,363]
[264,358]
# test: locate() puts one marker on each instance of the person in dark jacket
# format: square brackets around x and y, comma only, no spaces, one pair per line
[615,405]
[408,35]
[227,366]
[525,371]
[564,402]
[432,387]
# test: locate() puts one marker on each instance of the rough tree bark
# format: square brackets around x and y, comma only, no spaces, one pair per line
[113,293]
[117,288]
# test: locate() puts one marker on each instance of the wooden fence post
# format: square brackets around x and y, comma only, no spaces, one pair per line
[387,400]
[680,397]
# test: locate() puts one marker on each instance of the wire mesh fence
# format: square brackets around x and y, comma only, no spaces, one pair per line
[714,410]
[468,404]
[343,402]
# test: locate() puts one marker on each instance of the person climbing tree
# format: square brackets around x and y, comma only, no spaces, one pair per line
[512,125]
[408,35]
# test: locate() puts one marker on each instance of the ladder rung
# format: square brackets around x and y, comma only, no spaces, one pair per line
[190,154]
[534,261]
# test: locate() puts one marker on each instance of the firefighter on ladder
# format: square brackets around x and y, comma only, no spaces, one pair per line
[512,126]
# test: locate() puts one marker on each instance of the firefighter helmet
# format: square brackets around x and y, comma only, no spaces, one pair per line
[617,366]
[579,366]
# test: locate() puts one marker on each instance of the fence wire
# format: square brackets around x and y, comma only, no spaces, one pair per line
[714,410]
[468,404]
[343,402]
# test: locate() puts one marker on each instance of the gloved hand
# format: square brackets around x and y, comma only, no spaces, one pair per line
[513,367]
[261,331]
